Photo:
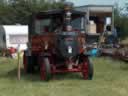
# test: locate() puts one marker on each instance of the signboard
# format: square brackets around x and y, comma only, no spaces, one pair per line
[18,39]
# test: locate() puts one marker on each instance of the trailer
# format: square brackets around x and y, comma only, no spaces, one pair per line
[13,35]
[99,18]
[121,52]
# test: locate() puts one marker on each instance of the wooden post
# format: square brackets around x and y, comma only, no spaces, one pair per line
[19,69]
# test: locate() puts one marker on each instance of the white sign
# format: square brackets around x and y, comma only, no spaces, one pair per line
[18,39]
[69,49]
[108,21]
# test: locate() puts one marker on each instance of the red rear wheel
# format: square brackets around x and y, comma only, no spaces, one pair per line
[25,62]
[28,63]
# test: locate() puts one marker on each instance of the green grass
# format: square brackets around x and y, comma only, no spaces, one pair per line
[125,41]
[110,79]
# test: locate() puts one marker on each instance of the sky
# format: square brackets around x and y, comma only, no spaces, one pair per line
[98,2]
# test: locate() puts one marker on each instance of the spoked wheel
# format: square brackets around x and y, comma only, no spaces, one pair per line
[45,69]
[87,70]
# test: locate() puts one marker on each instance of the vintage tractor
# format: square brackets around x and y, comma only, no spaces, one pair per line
[57,43]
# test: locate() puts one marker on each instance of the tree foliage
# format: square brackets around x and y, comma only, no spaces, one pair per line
[18,11]
[121,20]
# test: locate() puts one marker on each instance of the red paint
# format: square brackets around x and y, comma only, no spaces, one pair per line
[12,50]
[42,71]
[85,70]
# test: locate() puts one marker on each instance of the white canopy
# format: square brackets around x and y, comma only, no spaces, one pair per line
[16,29]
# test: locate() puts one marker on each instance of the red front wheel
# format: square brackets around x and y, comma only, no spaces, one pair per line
[45,69]
[87,70]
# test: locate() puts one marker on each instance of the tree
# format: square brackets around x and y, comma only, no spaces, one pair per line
[121,20]
[18,11]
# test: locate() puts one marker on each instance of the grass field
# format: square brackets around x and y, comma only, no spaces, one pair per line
[110,79]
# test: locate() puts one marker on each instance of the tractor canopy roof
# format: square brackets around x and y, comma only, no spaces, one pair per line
[57,12]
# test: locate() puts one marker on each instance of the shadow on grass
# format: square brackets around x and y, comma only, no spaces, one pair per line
[12,75]
[68,76]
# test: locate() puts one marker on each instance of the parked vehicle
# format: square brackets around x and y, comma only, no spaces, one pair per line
[57,43]
[11,36]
